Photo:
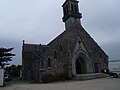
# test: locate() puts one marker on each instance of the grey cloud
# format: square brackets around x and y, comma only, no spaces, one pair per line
[39,21]
[113,50]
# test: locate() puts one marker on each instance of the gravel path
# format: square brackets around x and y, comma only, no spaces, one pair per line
[96,84]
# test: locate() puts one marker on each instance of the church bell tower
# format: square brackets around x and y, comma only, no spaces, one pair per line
[71,13]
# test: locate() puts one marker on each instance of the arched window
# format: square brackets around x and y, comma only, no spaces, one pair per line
[105,60]
[60,48]
[76,8]
[67,9]
[55,55]
[72,7]
[49,62]
[100,55]
[64,9]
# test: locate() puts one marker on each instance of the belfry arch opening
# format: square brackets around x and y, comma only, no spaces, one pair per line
[80,66]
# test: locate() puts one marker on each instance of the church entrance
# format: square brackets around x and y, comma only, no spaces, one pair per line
[80,66]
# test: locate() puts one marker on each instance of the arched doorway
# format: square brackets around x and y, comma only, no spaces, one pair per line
[80,66]
[81,63]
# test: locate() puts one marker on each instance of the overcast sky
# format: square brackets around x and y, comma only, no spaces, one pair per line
[40,21]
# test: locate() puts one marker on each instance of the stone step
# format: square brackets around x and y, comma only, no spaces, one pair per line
[89,76]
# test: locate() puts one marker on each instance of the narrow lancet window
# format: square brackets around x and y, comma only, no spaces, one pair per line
[49,62]
[60,48]
[55,55]
[76,8]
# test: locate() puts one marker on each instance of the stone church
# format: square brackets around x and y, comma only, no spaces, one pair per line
[74,52]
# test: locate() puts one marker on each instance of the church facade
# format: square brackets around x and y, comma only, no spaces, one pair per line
[73,52]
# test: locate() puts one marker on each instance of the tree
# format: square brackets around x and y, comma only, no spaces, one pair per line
[14,70]
[5,56]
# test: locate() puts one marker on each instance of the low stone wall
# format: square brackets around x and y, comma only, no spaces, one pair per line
[89,76]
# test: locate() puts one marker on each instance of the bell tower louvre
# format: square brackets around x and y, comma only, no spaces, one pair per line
[71,13]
